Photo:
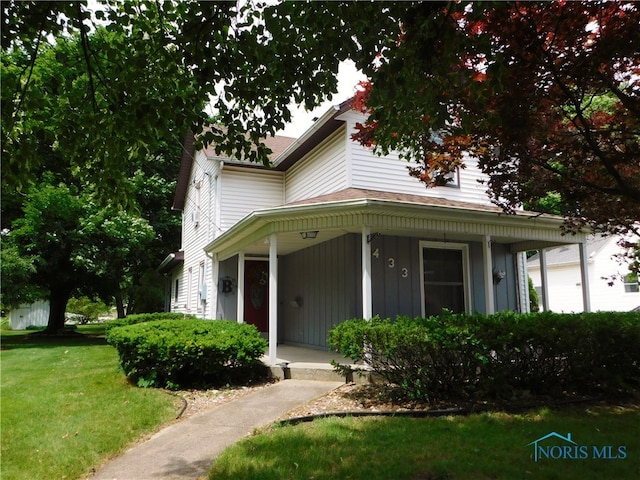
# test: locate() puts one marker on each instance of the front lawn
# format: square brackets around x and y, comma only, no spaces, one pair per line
[484,446]
[66,406]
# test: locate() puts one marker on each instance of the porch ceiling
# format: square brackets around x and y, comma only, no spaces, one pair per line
[435,221]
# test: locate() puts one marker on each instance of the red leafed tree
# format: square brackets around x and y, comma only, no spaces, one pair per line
[544,94]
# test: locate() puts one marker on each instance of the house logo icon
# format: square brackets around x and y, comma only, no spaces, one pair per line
[555,451]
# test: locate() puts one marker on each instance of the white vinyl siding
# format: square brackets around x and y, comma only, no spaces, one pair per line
[198,216]
[322,171]
[199,227]
[390,174]
[244,190]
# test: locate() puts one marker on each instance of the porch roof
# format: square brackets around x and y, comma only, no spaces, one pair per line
[387,213]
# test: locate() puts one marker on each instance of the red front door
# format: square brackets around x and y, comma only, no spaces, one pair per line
[256,294]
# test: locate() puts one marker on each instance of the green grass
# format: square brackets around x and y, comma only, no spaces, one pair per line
[484,446]
[66,406]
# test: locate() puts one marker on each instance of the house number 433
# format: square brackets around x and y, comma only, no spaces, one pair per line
[391,263]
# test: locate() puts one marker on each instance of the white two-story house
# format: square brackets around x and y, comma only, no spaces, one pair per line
[332,232]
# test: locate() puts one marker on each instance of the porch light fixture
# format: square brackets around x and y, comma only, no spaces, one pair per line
[296,302]
[309,234]
[498,275]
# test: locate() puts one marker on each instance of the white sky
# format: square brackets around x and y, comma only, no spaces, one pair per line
[348,78]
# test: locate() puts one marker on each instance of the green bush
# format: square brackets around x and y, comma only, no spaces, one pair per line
[188,353]
[89,309]
[501,356]
[145,317]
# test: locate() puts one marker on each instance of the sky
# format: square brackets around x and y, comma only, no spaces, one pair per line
[348,78]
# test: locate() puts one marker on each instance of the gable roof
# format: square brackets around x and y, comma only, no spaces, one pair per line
[188,153]
[286,151]
[278,144]
[321,129]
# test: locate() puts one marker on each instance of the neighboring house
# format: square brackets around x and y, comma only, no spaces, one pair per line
[35,314]
[564,281]
[332,232]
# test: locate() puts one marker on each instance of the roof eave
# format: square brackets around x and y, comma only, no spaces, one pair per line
[170,262]
[260,219]
[186,162]
[321,129]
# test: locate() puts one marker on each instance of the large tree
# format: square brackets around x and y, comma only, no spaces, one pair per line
[100,96]
[66,232]
[48,236]
[65,244]
[546,95]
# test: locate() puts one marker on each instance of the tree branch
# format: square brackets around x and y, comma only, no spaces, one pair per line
[31,66]
[85,50]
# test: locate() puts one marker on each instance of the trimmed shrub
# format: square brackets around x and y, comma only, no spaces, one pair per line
[501,356]
[145,317]
[189,353]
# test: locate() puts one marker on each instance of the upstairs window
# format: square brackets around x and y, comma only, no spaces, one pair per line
[452,179]
[631,283]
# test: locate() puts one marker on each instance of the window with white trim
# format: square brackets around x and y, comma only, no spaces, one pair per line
[445,277]
[202,292]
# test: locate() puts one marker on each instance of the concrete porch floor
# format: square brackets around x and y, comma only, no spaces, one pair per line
[306,364]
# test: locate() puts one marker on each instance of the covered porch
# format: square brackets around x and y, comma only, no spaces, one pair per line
[483,233]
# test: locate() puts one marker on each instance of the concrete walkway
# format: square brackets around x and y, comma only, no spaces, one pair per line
[186,449]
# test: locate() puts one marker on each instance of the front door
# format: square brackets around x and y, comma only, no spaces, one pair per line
[256,294]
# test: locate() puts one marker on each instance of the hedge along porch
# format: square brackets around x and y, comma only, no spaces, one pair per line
[361,253]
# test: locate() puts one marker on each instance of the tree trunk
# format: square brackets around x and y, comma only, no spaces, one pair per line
[119,305]
[58,299]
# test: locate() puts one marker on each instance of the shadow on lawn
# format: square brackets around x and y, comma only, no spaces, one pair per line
[14,340]
[489,445]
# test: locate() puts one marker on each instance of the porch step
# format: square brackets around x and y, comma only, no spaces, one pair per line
[314,373]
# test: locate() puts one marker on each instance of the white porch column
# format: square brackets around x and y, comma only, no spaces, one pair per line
[523,282]
[488,275]
[584,273]
[367,296]
[213,295]
[240,299]
[273,298]
[544,283]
